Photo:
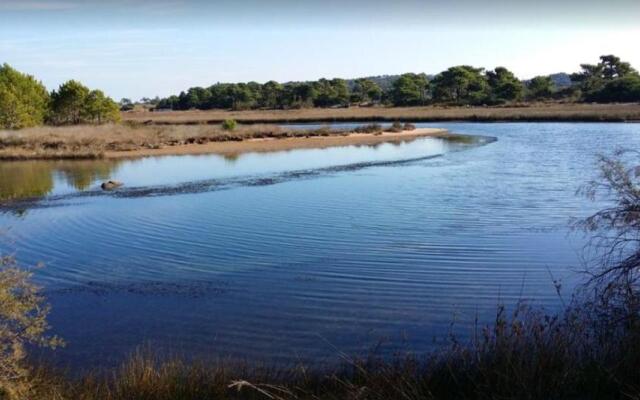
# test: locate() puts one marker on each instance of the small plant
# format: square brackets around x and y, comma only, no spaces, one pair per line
[23,321]
[229,124]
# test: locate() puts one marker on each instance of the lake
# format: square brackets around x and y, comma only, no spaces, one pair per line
[300,255]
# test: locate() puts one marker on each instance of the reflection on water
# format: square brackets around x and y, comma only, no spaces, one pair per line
[82,174]
[33,180]
[26,179]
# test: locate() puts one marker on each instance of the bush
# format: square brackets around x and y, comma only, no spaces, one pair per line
[229,124]
[23,321]
[371,128]
[395,127]
[409,127]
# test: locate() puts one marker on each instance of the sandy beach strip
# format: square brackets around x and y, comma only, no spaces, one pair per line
[267,145]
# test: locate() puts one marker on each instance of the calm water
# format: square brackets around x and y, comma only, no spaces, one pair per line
[299,254]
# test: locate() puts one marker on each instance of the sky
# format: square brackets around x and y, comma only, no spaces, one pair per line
[154,48]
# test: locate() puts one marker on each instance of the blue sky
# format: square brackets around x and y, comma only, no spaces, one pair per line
[149,48]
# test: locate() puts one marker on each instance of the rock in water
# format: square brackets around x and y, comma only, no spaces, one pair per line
[110,185]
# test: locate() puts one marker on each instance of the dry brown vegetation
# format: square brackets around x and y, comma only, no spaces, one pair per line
[133,140]
[90,141]
[529,112]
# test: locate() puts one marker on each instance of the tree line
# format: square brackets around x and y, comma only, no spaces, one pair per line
[610,80]
[25,102]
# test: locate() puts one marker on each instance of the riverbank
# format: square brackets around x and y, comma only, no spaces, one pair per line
[537,112]
[131,140]
[274,144]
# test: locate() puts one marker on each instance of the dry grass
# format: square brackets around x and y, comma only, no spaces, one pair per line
[528,112]
[137,140]
[92,141]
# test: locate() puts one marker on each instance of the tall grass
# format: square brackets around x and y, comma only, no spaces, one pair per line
[519,112]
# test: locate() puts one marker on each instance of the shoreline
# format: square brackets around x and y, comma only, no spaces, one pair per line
[121,142]
[263,145]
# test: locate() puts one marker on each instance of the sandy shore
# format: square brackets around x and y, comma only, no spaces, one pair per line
[266,145]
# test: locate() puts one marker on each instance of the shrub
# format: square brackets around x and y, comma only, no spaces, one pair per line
[23,321]
[395,127]
[371,128]
[229,124]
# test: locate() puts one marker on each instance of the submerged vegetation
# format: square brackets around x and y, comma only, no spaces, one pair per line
[590,349]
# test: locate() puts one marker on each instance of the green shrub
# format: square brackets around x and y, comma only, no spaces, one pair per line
[229,124]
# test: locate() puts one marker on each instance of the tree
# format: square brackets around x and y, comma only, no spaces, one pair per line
[298,95]
[615,229]
[126,104]
[68,102]
[597,81]
[504,86]
[461,85]
[540,87]
[74,103]
[100,108]
[366,90]
[410,90]
[271,95]
[625,89]
[23,100]
[334,92]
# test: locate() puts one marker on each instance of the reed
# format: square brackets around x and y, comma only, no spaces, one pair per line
[531,112]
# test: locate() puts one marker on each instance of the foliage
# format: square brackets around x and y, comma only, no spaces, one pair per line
[616,235]
[410,90]
[229,124]
[328,93]
[23,321]
[67,103]
[23,100]
[504,86]
[74,103]
[610,80]
[624,89]
[540,88]
[461,85]
[99,108]
[366,90]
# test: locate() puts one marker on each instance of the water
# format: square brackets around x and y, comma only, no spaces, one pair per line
[301,254]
